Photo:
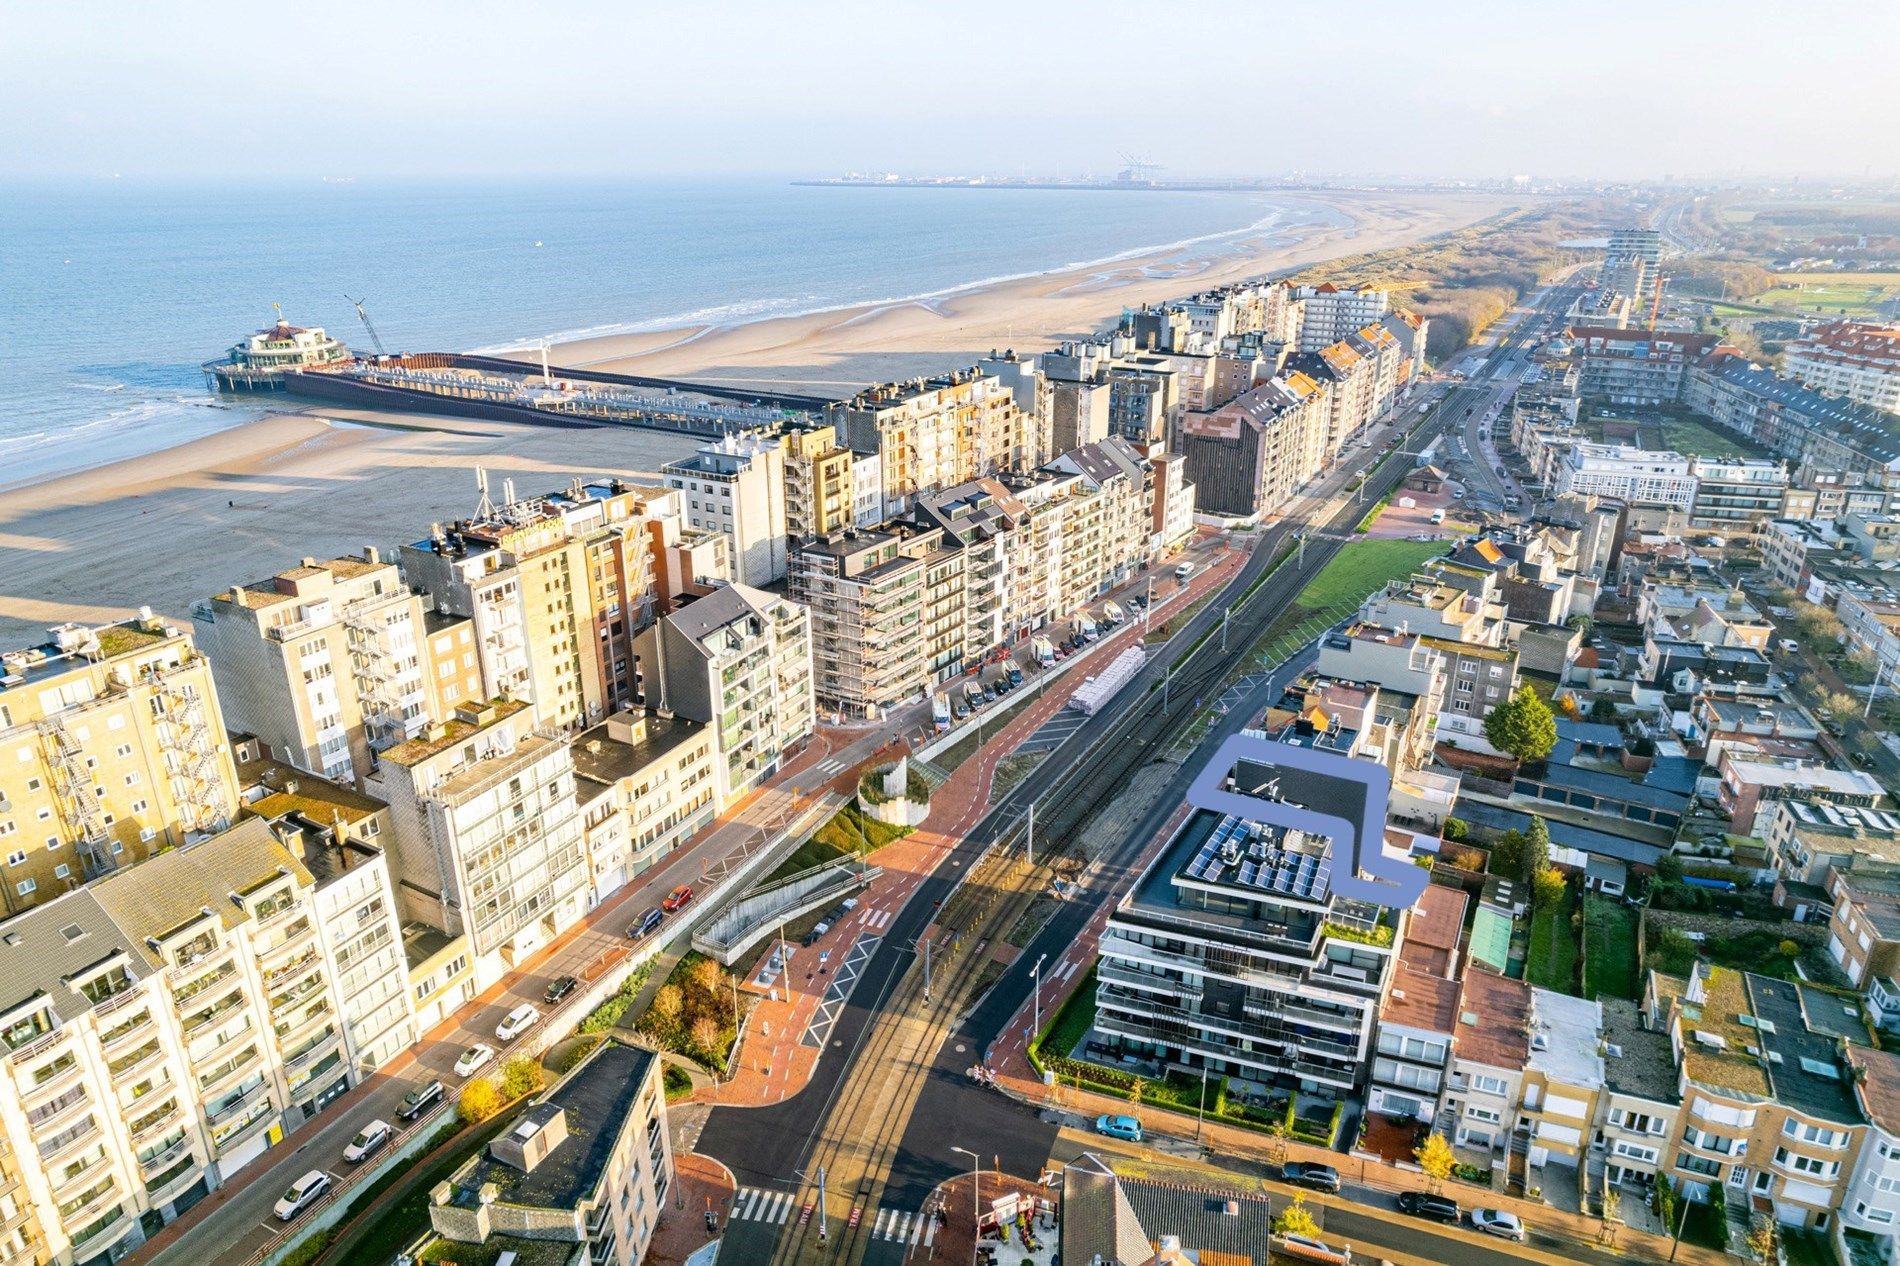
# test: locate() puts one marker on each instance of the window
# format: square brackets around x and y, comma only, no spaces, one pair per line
[1490,1116]
[62,871]
[1806,1164]
[1816,1134]
[25,887]
[16,858]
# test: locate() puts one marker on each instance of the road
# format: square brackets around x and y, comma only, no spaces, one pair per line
[1476,408]
[768,1148]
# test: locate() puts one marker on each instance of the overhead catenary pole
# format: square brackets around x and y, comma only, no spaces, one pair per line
[1030,837]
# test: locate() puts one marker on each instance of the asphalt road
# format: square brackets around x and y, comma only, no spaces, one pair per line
[1479,406]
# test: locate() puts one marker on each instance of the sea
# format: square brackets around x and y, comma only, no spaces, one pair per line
[113,292]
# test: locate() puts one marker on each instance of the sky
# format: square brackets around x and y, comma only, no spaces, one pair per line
[580,89]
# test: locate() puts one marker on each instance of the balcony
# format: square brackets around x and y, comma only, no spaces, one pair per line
[209,1085]
[169,1185]
[40,1120]
[179,1146]
[138,1061]
[295,936]
[90,1236]
[199,1020]
[195,978]
[138,1025]
[84,1177]
[59,1083]
[64,1146]
[146,1127]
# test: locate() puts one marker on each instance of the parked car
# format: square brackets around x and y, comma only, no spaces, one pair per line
[677,899]
[1499,1223]
[559,988]
[517,1022]
[417,1101]
[473,1058]
[1423,1204]
[1318,1177]
[368,1139]
[1119,1127]
[302,1194]
[643,926]
[1015,675]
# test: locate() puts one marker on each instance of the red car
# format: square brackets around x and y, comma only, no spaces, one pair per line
[677,899]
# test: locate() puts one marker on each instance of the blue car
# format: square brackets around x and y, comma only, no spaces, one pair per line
[1119,1127]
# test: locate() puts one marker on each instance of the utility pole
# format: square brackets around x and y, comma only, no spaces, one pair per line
[1200,1107]
[1223,629]
[1300,565]
[926,969]
[1880,666]
[1167,677]
[824,1216]
[1030,839]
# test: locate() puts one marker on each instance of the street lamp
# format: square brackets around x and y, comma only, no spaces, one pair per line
[1036,972]
[976,1195]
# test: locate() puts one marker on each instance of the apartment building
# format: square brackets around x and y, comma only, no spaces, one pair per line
[1251,457]
[819,489]
[166,1025]
[1633,475]
[1871,618]
[1103,496]
[1232,953]
[111,749]
[452,664]
[1736,496]
[654,773]
[1351,379]
[1490,1051]
[1328,312]
[736,486]
[589,1164]
[1635,366]
[865,593]
[740,662]
[1863,930]
[1819,435]
[1856,359]
[325,662]
[1748,784]
[1791,548]
[524,579]
[934,433]
[487,833]
[1804,838]
[1768,1109]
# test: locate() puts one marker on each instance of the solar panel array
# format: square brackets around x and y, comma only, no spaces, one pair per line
[1238,851]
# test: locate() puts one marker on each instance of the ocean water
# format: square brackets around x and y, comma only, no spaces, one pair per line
[113,293]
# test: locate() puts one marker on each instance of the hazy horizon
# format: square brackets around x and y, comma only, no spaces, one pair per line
[1456,91]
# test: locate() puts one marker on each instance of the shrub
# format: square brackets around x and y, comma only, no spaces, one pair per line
[480,1100]
[520,1076]
[579,1051]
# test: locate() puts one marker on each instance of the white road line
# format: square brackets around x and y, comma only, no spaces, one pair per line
[877,1227]
[783,1209]
[930,1232]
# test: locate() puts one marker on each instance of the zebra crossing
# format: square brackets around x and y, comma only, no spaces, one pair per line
[775,1208]
[826,768]
[756,1204]
[876,920]
[899,1226]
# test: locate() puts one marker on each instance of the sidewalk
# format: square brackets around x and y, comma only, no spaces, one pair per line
[700,1183]
[774,1062]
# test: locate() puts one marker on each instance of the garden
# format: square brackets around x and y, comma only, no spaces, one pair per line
[695,1013]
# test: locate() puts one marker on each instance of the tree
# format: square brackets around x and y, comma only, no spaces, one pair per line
[1295,1219]
[1666,1202]
[1456,829]
[705,979]
[1536,848]
[705,1034]
[1507,855]
[1548,888]
[1436,1158]
[668,1004]
[1522,725]
[1135,1088]
[480,1100]
[1669,868]
[1602,710]
[520,1076]
[1580,622]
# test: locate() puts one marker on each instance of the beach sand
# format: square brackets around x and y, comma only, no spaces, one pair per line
[169,528]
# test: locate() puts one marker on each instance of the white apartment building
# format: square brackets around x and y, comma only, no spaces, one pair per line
[1856,359]
[736,485]
[739,661]
[324,662]
[488,832]
[166,1025]
[1871,1201]
[1634,475]
[1329,312]
[645,786]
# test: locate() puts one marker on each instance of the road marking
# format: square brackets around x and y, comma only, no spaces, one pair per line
[839,990]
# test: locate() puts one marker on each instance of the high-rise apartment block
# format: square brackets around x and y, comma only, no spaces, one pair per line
[1328,312]
[934,433]
[736,486]
[739,661]
[111,749]
[325,662]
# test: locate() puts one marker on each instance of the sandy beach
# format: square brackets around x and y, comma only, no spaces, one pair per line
[169,528]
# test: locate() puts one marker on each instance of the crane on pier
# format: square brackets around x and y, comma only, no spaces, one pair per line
[363,316]
[1139,171]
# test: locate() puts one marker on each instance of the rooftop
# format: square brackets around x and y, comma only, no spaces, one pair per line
[75,647]
[1565,1039]
[466,722]
[1421,1000]
[1494,1020]
[1637,1060]
[597,1098]
[629,742]
[1879,1086]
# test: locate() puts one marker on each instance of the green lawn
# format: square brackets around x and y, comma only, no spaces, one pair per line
[1072,1023]
[1856,298]
[1694,439]
[1552,962]
[1359,568]
[1609,938]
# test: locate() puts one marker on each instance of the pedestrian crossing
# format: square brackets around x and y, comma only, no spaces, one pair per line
[899,1226]
[826,768]
[876,920]
[756,1204]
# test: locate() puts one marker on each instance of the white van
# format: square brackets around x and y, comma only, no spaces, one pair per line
[1438,516]
[1182,572]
